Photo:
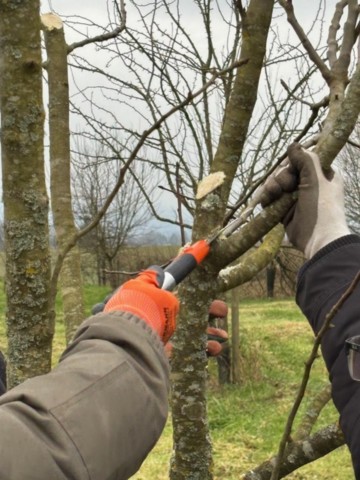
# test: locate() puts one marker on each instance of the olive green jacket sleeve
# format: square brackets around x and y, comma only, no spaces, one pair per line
[97,414]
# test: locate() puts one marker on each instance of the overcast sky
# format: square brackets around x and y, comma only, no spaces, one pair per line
[96,11]
[82,7]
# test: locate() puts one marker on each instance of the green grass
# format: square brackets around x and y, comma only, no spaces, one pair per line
[247,421]
[92,295]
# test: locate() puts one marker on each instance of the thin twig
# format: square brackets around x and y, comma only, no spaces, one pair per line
[300,453]
[255,185]
[127,164]
[314,56]
[105,36]
[308,365]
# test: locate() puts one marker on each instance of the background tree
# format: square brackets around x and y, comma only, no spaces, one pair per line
[24,192]
[94,176]
[66,234]
[61,201]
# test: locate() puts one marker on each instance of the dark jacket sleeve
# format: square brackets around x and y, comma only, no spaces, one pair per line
[2,374]
[97,414]
[321,283]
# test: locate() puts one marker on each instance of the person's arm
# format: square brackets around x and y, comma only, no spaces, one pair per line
[317,226]
[322,281]
[102,409]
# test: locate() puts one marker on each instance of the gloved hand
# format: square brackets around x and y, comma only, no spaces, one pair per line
[143,297]
[318,217]
[216,336]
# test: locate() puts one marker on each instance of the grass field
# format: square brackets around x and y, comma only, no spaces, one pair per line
[247,421]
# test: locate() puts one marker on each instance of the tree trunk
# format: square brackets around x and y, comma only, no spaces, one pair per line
[60,165]
[192,445]
[270,280]
[30,330]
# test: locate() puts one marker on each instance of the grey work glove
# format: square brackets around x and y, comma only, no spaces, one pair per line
[318,217]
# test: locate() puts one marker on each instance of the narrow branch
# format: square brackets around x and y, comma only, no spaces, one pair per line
[333,29]
[248,267]
[308,365]
[301,453]
[156,125]
[314,56]
[313,106]
[255,185]
[179,205]
[226,250]
[312,413]
[172,191]
[105,36]
[332,141]
[348,36]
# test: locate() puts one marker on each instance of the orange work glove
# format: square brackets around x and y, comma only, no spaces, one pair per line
[216,336]
[143,297]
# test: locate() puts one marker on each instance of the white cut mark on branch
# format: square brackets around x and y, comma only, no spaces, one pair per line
[107,35]
[209,184]
[51,21]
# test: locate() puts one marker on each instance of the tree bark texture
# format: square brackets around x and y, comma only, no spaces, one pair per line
[239,110]
[253,262]
[312,413]
[301,453]
[192,457]
[332,142]
[60,165]
[30,331]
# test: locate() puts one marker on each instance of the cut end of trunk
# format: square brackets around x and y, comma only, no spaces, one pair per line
[51,21]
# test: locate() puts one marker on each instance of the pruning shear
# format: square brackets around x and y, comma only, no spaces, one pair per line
[194,254]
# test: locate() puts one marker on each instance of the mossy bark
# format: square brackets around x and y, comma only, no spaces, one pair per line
[30,330]
[192,457]
[249,266]
[60,166]
[333,139]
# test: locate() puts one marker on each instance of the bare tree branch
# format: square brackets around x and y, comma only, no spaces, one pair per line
[248,267]
[315,57]
[300,453]
[342,64]
[156,125]
[312,413]
[105,36]
[308,365]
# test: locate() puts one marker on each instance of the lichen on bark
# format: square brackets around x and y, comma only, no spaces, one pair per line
[25,199]
[61,198]
[193,452]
